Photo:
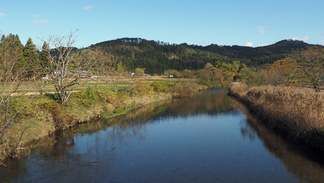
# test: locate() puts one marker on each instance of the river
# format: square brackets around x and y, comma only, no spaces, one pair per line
[209,137]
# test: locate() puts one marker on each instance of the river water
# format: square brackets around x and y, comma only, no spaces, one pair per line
[209,137]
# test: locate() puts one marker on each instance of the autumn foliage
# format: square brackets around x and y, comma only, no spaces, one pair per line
[300,68]
[283,72]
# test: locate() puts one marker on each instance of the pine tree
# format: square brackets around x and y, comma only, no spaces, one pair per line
[44,58]
[15,47]
[17,44]
[31,59]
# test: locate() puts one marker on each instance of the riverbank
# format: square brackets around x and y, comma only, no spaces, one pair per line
[42,115]
[297,112]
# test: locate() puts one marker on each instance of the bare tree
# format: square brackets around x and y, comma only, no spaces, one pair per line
[61,61]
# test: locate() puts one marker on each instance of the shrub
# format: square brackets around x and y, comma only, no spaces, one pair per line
[142,89]
[161,86]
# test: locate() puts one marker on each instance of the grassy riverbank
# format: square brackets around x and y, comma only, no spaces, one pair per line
[299,112]
[42,115]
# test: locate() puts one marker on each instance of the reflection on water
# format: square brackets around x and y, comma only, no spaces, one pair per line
[301,161]
[206,138]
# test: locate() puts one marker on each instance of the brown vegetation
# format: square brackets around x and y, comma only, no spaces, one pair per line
[300,68]
[297,111]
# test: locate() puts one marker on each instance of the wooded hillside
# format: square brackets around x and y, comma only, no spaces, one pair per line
[156,56]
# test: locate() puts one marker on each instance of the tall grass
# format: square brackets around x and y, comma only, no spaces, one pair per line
[297,111]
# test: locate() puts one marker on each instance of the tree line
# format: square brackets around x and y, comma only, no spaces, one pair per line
[155,56]
[158,56]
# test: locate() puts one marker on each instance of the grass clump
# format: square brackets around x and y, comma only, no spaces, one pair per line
[179,89]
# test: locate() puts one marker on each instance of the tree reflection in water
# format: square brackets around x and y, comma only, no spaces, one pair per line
[65,153]
[132,125]
[56,150]
[305,163]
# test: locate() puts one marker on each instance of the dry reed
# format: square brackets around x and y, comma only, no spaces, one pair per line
[298,111]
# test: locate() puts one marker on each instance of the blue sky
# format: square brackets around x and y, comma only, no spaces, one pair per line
[228,22]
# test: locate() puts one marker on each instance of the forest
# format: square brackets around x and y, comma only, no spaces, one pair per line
[157,56]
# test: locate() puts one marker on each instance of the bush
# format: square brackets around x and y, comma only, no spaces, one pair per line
[142,89]
[161,86]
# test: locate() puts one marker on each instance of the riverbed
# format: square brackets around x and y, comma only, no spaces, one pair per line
[208,137]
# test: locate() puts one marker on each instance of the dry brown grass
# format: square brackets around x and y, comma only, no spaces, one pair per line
[299,111]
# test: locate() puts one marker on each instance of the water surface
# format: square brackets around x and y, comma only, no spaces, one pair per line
[206,138]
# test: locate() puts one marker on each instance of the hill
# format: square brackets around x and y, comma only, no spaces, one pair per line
[259,55]
[158,56]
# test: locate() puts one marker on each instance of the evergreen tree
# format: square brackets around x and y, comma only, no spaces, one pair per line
[17,44]
[31,59]
[12,42]
[44,58]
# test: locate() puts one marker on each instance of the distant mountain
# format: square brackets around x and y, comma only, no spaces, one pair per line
[158,56]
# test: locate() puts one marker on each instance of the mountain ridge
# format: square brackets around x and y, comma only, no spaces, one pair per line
[157,56]
[139,40]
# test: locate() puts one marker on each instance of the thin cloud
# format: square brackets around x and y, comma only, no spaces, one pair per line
[2,15]
[37,15]
[249,44]
[261,29]
[203,42]
[321,42]
[305,38]
[86,8]
[41,21]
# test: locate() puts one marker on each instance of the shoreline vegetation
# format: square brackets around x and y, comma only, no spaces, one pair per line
[42,115]
[297,112]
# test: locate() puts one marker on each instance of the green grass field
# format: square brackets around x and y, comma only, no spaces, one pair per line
[46,86]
